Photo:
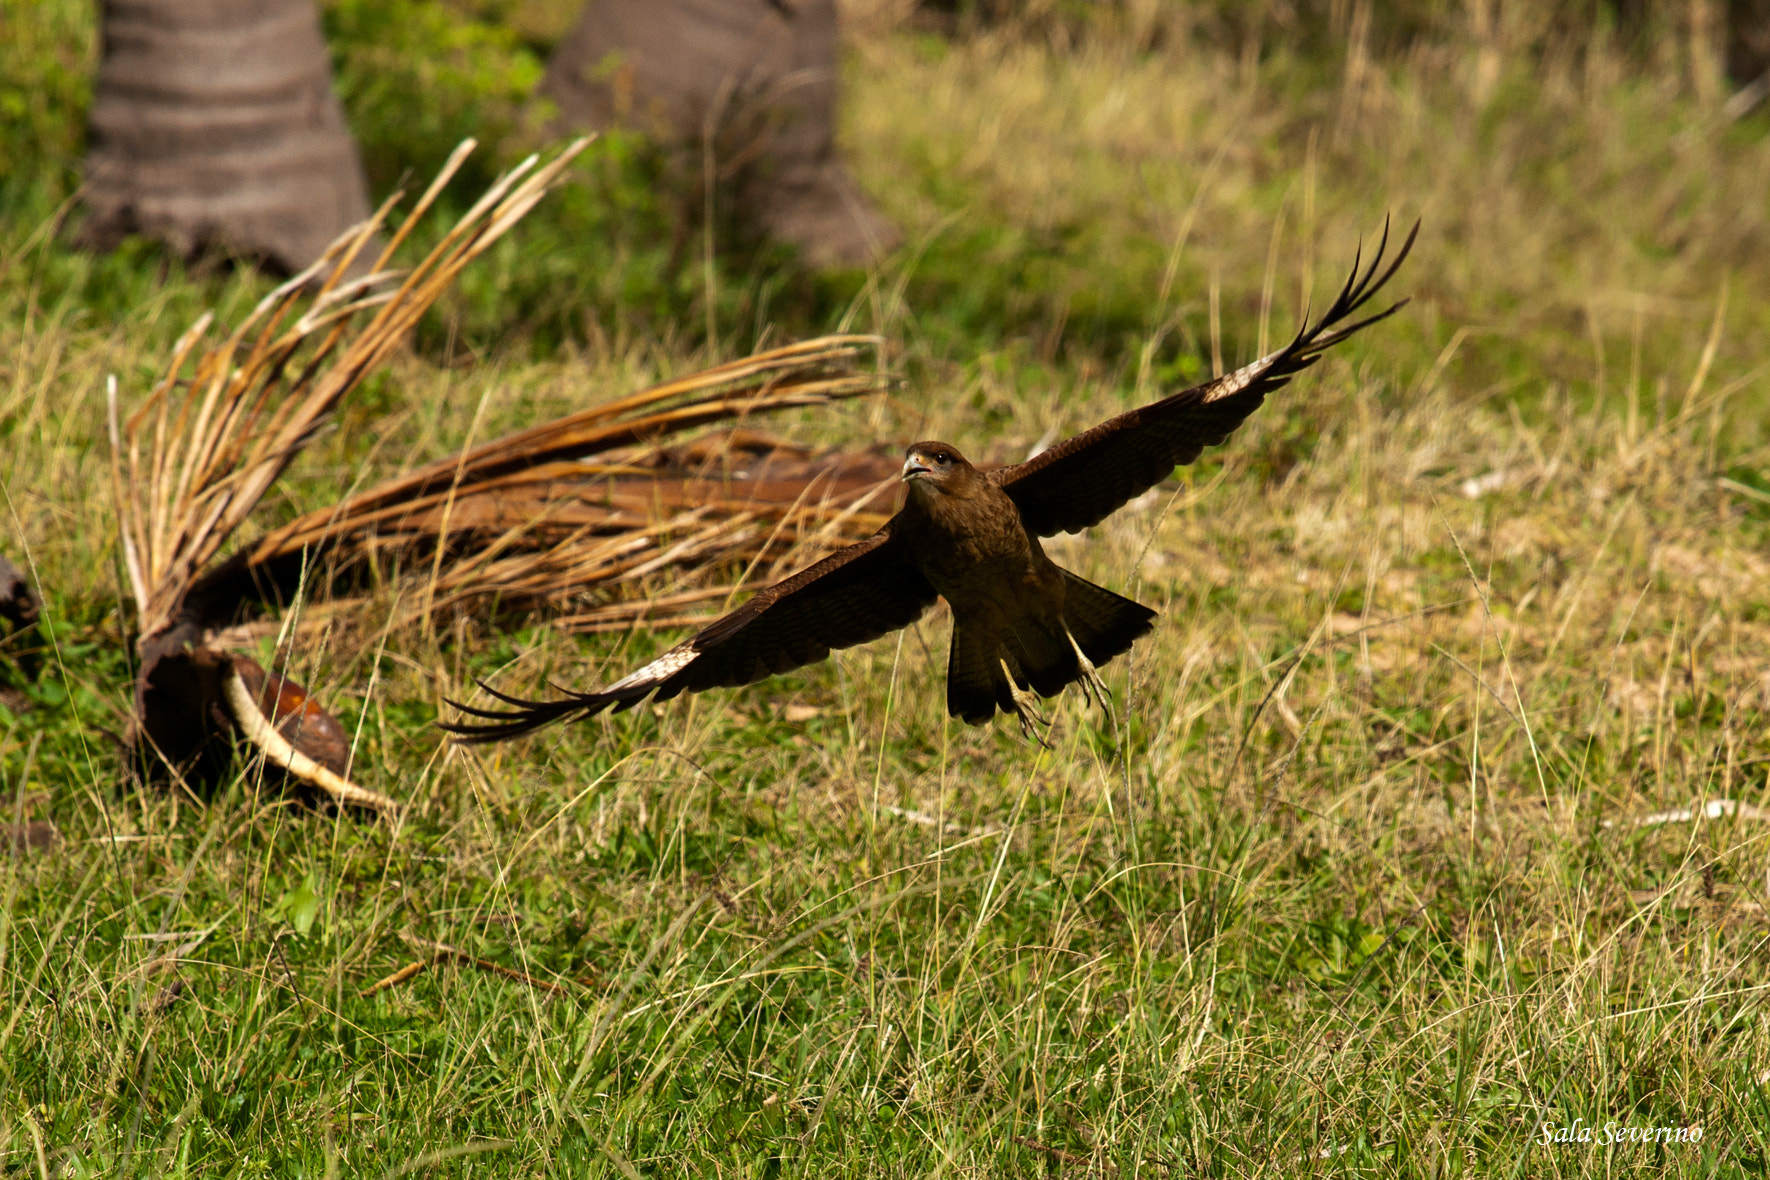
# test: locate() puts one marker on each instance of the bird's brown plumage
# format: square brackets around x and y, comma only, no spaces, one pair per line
[1020,622]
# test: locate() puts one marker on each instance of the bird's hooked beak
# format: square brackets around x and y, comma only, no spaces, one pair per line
[913,466]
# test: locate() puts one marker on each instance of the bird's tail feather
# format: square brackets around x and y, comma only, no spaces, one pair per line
[977,682]
[971,675]
[1104,624]
[1042,659]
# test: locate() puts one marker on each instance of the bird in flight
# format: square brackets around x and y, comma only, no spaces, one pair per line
[1021,624]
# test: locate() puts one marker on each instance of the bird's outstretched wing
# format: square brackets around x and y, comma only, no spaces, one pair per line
[854,595]
[1083,480]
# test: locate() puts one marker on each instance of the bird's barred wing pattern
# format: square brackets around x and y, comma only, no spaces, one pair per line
[1083,480]
[859,593]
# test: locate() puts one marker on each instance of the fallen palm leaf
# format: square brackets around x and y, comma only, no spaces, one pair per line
[560,514]
[257,728]
[572,509]
[193,462]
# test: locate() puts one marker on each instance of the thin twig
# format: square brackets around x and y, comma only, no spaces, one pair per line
[398,977]
[443,950]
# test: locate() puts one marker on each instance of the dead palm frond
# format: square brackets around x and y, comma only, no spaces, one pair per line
[590,501]
[215,434]
[195,460]
[810,373]
[561,514]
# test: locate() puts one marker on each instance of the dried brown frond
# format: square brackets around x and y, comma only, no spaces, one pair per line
[565,514]
[217,431]
[811,373]
[195,459]
[559,514]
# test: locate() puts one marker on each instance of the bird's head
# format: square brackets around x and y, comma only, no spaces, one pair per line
[935,467]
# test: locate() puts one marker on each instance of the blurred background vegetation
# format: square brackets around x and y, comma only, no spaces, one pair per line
[1584,144]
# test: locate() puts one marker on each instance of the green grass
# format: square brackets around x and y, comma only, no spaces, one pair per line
[1353,886]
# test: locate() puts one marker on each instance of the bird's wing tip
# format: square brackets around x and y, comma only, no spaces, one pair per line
[524,717]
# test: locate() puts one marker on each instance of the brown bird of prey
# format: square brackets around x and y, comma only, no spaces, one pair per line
[1021,625]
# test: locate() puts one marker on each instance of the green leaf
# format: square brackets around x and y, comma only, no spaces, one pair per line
[301,905]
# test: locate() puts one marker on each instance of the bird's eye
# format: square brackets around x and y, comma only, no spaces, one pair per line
[942,457]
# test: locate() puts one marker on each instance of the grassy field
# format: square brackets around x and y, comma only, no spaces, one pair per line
[1399,844]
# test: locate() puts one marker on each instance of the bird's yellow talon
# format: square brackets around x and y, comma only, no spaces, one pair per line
[1094,689]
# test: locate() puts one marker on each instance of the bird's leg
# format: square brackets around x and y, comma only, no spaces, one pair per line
[1093,688]
[1026,705]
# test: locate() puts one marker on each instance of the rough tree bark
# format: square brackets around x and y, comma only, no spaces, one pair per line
[214,125]
[754,81]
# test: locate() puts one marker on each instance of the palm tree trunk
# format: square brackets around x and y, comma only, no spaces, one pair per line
[1748,41]
[214,126]
[746,90]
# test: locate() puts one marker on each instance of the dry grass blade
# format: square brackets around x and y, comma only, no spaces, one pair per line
[409,971]
[442,950]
